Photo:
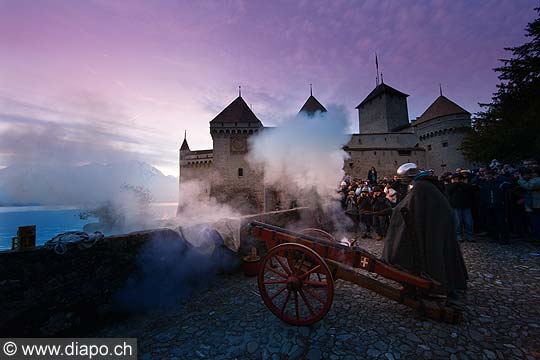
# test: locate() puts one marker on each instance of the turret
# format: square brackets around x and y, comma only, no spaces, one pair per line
[184,149]
[312,105]
[384,110]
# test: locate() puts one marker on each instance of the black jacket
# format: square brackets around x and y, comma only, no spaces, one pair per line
[461,195]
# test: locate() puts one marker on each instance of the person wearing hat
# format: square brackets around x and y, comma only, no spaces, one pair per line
[529,179]
[494,201]
[461,197]
[365,210]
[381,211]
[343,193]
[351,209]
[421,237]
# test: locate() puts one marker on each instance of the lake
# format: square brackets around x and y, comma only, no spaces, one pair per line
[53,220]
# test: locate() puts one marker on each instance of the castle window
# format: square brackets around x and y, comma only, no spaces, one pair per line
[429,147]
[240,172]
[445,144]
[374,153]
[404,152]
[351,164]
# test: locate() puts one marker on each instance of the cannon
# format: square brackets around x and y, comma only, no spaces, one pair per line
[296,276]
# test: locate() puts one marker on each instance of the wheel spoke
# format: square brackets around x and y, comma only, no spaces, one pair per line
[314,295]
[306,274]
[315,283]
[301,291]
[307,303]
[296,305]
[287,270]
[279,273]
[277,293]
[290,260]
[285,302]
[300,263]
[270,282]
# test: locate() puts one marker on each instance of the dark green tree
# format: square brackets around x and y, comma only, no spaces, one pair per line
[508,129]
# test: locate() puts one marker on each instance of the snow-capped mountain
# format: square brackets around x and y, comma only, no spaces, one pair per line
[45,184]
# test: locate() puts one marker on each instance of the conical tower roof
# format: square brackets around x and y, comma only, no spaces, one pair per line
[442,106]
[185,145]
[379,90]
[312,105]
[237,111]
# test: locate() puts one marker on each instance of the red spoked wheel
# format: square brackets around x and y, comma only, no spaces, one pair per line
[318,233]
[296,284]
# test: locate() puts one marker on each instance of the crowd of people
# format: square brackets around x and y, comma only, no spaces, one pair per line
[501,201]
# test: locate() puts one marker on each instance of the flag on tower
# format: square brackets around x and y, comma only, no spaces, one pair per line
[377,67]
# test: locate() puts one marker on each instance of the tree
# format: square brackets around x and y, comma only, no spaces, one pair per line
[509,127]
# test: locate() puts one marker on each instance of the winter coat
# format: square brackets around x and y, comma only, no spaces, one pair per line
[461,195]
[350,207]
[532,198]
[381,203]
[493,192]
[372,176]
[364,203]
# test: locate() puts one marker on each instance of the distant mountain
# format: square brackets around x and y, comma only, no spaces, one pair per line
[47,184]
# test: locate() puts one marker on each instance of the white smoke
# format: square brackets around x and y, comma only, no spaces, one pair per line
[195,206]
[304,153]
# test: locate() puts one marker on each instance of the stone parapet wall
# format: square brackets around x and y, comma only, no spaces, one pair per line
[45,294]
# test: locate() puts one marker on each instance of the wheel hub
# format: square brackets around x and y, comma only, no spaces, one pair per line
[294,283]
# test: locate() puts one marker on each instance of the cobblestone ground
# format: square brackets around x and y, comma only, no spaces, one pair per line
[501,319]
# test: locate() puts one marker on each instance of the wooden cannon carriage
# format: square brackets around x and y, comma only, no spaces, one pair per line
[296,276]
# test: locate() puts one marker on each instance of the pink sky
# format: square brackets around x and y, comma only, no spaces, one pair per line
[131,76]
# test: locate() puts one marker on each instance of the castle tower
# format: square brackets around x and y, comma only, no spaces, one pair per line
[236,182]
[384,110]
[183,154]
[312,105]
[184,149]
[440,130]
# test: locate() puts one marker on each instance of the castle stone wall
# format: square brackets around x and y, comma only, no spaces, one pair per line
[385,161]
[442,139]
[372,116]
[397,114]
[386,140]
[235,181]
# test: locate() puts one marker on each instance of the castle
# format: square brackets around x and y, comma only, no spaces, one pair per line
[386,140]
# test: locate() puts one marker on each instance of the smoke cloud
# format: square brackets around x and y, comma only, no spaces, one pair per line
[170,268]
[304,158]
[195,206]
[304,153]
